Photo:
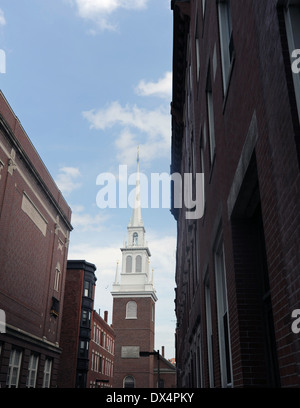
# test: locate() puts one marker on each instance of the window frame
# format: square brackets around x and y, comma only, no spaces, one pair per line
[290,24]
[209,331]
[32,371]
[12,366]
[127,377]
[128,266]
[47,373]
[57,277]
[223,314]
[138,263]
[226,41]
[210,118]
[131,313]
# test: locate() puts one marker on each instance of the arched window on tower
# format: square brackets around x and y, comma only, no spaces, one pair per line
[129,264]
[138,263]
[129,382]
[135,239]
[131,310]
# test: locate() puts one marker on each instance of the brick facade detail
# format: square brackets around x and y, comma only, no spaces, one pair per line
[34,231]
[139,333]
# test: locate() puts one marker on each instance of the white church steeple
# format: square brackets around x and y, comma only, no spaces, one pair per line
[137,212]
[135,277]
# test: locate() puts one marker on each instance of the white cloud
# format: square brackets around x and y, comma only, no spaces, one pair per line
[99,11]
[66,179]
[2,18]
[83,221]
[162,88]
[154,125]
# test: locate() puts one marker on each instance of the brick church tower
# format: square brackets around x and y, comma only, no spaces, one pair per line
[134,300]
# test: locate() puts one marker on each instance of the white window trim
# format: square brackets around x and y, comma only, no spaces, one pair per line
[210,118]
[32,371]
[12,366]
[128,264]
[292,47]
[140,258]
[131,314]
[57,277]
[222,307]
[47,373]
[224,44]
[209,332]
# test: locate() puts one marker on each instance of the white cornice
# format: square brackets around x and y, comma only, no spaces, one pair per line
[133,294]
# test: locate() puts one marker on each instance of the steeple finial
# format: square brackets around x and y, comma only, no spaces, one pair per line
[137,214]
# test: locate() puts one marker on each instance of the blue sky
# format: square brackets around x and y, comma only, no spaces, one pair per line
[90,80]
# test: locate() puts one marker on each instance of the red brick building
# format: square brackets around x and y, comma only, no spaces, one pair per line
[101,352]
[77,324]
[164,371]
[235,118]
[34,236]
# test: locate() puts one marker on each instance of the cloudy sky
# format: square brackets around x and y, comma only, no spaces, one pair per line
[90,80]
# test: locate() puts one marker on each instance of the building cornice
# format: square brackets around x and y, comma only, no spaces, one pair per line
[133,294]
[136,248]
[8,132]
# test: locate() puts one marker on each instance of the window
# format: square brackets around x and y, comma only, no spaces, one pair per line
[202,167]
[223,320]
[47,373]
[209,333]
[138,263]
[129,264]
[129,382]
[13,374]
[292,20]
[54,311]
[226,39]
[92,361]
[86,318]
[86,289]
[131,310]
[197,46]
[210,117]
[57,277]
[83,348]
[32,371]
[100,364]
[135,239]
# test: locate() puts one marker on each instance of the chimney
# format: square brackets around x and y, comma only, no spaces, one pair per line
[163,351]
[105,316]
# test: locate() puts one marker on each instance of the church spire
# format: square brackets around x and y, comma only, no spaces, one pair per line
[135,277]
[137,213]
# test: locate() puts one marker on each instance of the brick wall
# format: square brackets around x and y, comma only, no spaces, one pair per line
[34,231]
[133,332]
[101,352]
[70,328]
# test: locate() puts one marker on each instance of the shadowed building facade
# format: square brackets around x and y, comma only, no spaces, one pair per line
[235,118]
